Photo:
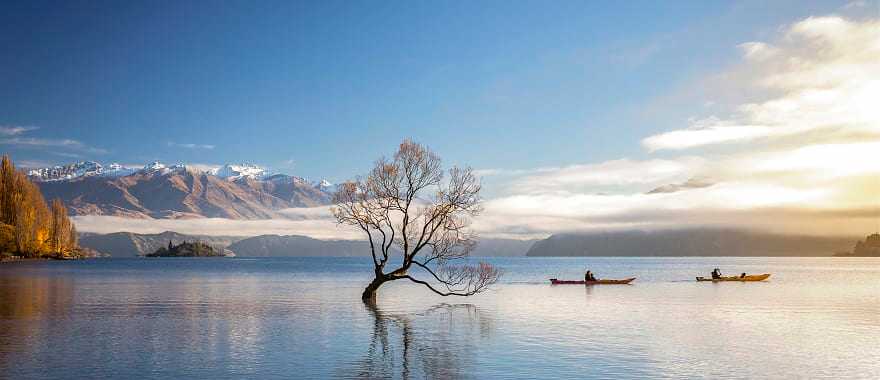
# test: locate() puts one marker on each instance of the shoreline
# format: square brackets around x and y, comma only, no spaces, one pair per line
[14,259]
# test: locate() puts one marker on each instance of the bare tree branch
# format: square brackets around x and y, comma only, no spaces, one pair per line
[418,215]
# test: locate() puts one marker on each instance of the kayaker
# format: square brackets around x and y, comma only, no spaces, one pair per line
[589,277]
[716,273]
[743,275]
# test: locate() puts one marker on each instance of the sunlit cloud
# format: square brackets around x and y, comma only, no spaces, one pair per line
[614,173]
[706,132]
[799,152]
[822,73]
[608,176]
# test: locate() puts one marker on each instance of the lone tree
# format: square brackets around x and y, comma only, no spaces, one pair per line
[408,210]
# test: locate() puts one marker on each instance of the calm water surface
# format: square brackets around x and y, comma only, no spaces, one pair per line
[283,318]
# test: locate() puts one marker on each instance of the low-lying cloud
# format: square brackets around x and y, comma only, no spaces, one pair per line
[316,222]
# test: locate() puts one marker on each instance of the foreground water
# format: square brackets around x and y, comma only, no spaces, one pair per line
[283,318]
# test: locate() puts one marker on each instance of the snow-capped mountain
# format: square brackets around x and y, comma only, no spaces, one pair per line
[78,170]
[233,172]
[156,190]
[155,165]
[326,186]
[117,170]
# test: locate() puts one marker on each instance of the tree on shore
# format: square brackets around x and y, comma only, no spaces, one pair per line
[62,231]
[406,208]
[27,225]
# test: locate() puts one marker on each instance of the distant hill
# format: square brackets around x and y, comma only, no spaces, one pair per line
[287,246]
[127,244]
[502,247]
[691,242]
[274,245]
[870,247]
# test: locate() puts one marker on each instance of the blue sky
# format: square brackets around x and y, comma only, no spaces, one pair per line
[320,89]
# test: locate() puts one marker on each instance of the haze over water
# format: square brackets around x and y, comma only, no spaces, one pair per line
[281,318]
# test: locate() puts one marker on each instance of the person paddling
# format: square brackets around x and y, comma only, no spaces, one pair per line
[589,277]
[716,274]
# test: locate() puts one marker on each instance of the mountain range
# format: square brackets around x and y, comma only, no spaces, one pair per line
[160,191]
[688,242]
[250,192]
[128,244]
[684,242]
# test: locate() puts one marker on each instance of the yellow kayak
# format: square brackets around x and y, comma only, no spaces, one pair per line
[754,277]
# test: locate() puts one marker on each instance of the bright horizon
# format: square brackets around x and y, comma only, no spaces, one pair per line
[743,115]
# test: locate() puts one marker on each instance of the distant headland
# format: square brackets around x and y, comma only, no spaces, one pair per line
[870,247]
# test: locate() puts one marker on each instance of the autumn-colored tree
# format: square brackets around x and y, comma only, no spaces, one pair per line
[7,196]
[7,238]
[59,228]
[31,218]
[72,238]
[35,229]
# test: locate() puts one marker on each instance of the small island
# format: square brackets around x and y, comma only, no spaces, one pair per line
[870,247]
[187,249]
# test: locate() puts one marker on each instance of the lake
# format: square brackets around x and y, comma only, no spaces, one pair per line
[174,318]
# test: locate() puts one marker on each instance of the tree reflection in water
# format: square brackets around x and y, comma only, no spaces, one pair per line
[437,343]
[24,303]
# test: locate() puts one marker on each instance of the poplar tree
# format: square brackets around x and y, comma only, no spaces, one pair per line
[36,229]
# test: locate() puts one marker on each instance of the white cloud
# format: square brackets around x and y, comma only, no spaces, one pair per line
[743,204]
[821,161]
[823,73]
[604,176]
[856,4]
[190,145]
[758,51]
[797,155]
[705,132]
[51,143]
[15,138]
[316,222]
[14,130]
[32,164]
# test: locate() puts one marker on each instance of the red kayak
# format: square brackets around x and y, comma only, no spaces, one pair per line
[554,281]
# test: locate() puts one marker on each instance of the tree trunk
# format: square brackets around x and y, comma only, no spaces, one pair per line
[370,292]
